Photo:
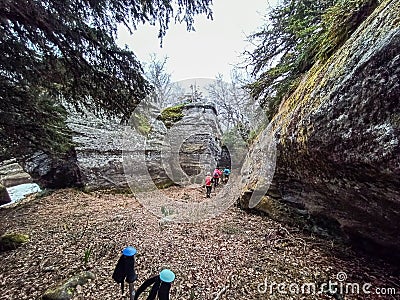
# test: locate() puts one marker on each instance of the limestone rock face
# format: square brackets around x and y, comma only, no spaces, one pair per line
[99,147]
[48,171]
[108,154]
[199,136]
[11,173]
[184,152]
[338,136]
[51,171]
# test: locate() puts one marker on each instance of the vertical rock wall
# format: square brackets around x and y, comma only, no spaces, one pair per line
[201,149]
[338,136]
[190,147]
[99,146]
[168,158]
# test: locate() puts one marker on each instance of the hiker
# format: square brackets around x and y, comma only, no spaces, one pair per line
[208,184]
[161,285]
[125,269]
[226,174]
[216,175]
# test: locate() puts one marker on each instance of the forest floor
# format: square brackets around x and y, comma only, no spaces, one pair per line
[236,255]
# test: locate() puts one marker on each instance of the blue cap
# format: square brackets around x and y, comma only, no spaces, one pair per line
[167,275]
[129,251]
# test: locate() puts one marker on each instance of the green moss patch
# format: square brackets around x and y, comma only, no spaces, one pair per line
[12,241]
[170,115]
[230,229]
[65,290]
[141,123]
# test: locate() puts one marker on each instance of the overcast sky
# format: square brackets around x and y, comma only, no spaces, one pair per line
[213,48]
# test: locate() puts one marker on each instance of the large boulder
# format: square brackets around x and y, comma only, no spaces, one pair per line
[109,154]
[52,170]
[4,196]
[338,137]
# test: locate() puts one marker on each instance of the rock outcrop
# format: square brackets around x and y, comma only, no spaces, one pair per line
[103,145]
[182,144]
[99,146]
[11,173]
[338,137]
[201,147]
[4,196]
[48,170]
[66,289]
[52,171]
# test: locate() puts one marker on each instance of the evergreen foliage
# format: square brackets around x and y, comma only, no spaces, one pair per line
[297,34]
[65,51]
[30,120]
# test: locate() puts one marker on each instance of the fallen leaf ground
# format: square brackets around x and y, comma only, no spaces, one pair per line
[229,257]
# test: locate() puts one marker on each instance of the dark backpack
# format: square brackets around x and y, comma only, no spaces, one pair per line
[159,288]
[125,270]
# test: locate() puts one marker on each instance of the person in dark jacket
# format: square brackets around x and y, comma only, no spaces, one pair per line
[125,268]
[161,286]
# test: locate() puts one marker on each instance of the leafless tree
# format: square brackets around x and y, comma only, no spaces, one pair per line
[165,92]
[236,108]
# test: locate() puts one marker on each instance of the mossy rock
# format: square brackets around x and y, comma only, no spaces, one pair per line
[141,123]
[12,241]
[164,184]
[65,290]
[170,115]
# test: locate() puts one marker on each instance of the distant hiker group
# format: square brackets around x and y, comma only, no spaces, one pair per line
[214,180]
[125,271]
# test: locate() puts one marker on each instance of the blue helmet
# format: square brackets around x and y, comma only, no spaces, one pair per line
[167,275]
[129,251]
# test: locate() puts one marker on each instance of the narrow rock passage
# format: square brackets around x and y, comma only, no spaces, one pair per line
[232,256]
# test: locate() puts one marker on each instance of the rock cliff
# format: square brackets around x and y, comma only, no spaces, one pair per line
[170,152]
[11,173]
[52,171]
[99,146]
[181,145]
[200,148]
[338,137]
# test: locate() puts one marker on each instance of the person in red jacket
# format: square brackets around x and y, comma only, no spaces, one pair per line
[208,184]
[216,176]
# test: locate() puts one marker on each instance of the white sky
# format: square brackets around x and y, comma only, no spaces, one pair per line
[213,48]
